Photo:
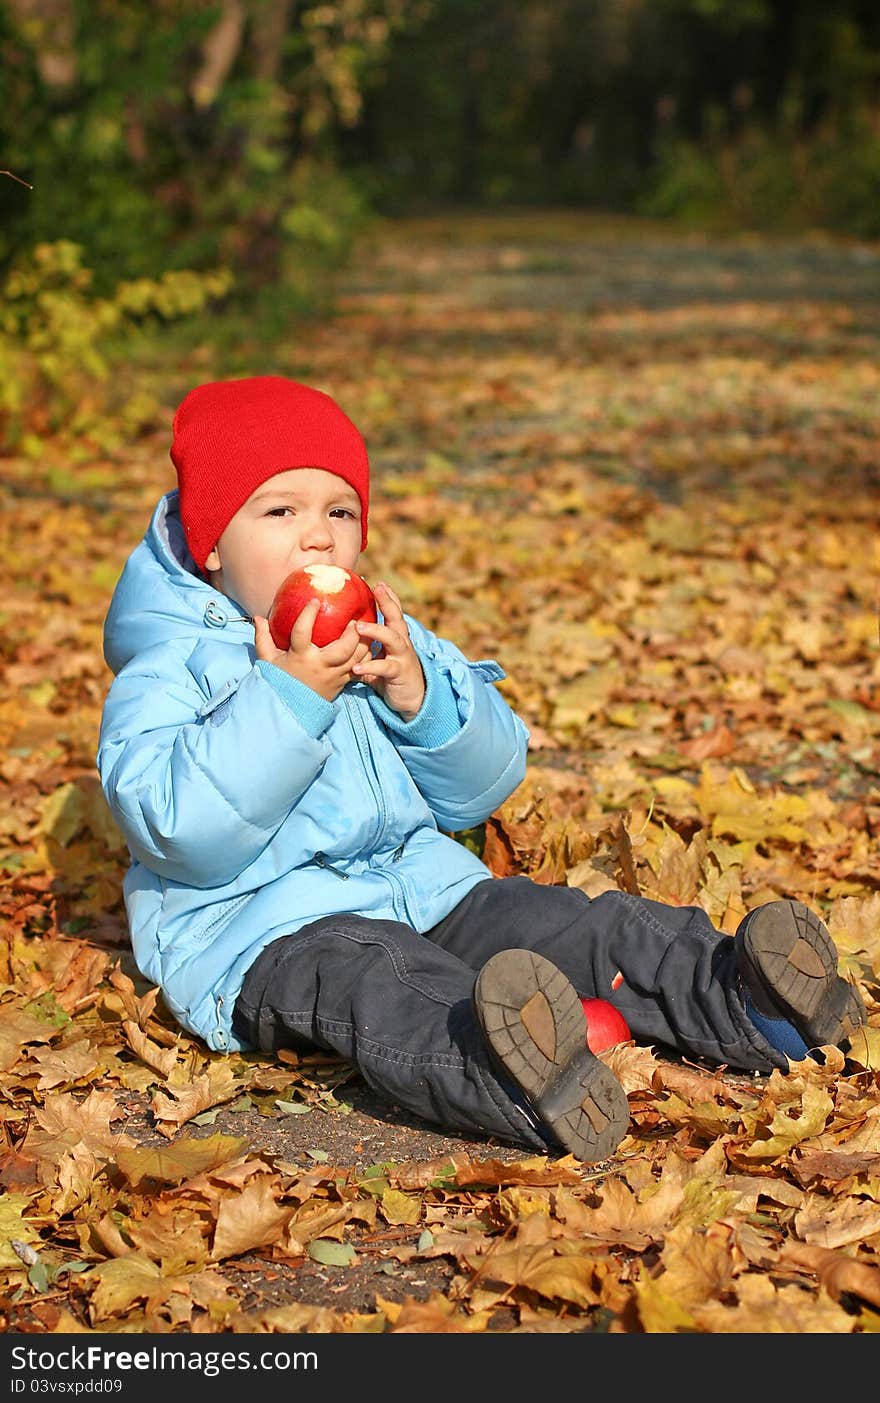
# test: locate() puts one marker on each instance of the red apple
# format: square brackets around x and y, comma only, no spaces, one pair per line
[343,596]
[606,1025]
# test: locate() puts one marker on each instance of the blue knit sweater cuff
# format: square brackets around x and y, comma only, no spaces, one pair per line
[312,712]
[437,720]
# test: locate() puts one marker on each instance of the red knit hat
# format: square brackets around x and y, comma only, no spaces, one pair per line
[231,435]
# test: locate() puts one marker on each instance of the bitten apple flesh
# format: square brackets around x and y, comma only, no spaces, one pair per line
[606,1025]
[343,596]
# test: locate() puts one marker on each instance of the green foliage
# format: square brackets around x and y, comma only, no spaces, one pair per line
[325,214]
[736,112]
[474,839]
[843,191]
[759,181]
[54,332]
[149,160]
[688,184]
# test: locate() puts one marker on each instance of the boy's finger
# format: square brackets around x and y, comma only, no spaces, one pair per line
[381,633]
[264,643]
[301,633]
[388,594]
[341,649]
[377,667]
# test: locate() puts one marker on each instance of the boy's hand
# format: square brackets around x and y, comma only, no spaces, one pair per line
[396,674]
[326,670]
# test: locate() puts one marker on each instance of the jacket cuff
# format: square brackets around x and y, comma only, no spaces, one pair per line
[313,713]
[437,719]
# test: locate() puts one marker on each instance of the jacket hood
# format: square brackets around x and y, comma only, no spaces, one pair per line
[160,595]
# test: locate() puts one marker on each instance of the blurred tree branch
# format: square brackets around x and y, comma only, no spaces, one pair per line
[219,52]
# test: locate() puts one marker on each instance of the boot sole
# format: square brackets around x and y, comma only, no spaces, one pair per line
[535,1027]
[795,960]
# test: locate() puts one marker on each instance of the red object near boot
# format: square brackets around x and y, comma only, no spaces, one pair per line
[606,1025]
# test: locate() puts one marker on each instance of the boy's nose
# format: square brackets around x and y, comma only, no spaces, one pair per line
[316,535]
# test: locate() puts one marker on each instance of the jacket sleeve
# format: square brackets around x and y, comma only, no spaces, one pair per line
[199,787]
[469,775]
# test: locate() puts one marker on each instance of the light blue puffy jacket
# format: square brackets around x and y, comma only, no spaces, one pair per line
[251,806]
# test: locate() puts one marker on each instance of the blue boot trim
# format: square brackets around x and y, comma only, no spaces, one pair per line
[779,1033]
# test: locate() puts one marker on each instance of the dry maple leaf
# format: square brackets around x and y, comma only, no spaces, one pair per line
[150,1053]
[17,1030]
[64,1066]
[218,1084]
[839,1274]
[249,1219]
[63,1123]
[437,1315]
[186,1158]
[762,1308]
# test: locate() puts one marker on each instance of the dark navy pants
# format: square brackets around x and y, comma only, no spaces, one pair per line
[398,1004]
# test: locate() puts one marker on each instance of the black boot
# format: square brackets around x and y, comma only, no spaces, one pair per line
[788,964]
[534,1025]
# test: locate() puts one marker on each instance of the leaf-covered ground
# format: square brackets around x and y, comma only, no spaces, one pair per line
[641,470]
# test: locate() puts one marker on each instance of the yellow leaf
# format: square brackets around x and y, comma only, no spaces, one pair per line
[116,1285]
[697,1266]
[217,1085]
[661,1310]
[184,1159]
[63,814]
[762,1309]
[786,1130]
[397,1207]
[568,1276]
[251,1218]
[575,704]
[17,1029]
[13,1227]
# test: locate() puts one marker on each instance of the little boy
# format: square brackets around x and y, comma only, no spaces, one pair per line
[293,882]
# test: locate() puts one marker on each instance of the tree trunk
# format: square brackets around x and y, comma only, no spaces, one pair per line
[269,26]
[219,52]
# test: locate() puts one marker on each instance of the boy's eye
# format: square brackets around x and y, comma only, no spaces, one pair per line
[343,512]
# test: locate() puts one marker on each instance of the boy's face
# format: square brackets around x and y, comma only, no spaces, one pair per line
[304,516]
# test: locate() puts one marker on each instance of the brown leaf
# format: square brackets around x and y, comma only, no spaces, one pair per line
[711,745]
[418,1174]
[187,1157]
[838,1222]
[17,1029]
[249,1219]
[536,1170]
[66,1065]
[150,1053]
[839,1274]
[182,1102]
[436,1316]
[559,1272]
[139,1010]
[63,1123]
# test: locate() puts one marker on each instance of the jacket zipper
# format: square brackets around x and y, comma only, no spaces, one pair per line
[362,742]
[321,860]
[374,782]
